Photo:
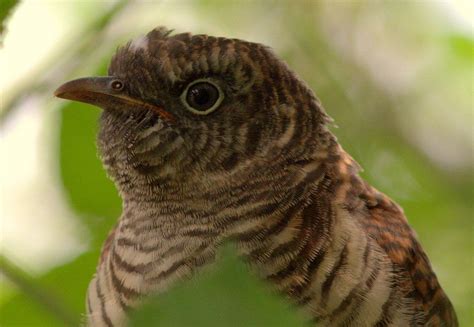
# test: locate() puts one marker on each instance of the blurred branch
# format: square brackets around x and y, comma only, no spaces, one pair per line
[6,7]
[43,297]
[93,36]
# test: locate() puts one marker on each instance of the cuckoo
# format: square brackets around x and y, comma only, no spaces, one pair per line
[212,140]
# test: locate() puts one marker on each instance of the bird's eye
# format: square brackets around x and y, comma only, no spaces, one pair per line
[202,97]
[117,85]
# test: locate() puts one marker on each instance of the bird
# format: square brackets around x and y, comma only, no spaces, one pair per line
[211,140]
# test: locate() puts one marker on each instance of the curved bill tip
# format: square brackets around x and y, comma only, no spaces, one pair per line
[61,92]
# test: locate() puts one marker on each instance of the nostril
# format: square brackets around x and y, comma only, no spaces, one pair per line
[116,85]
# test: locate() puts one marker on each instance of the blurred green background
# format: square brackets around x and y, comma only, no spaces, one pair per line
[397,77]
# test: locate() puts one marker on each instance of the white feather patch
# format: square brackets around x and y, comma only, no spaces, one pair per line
[140,42]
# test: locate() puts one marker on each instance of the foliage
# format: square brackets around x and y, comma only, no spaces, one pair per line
[5,8]
[224,295]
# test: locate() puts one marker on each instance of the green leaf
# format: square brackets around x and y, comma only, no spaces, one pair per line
[227,294]
[463,47]
[91,193]
[68,283]
[6,7]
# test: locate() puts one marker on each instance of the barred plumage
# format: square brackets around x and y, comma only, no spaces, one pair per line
[263,171]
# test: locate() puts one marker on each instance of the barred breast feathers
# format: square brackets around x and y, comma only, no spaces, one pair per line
[305,234]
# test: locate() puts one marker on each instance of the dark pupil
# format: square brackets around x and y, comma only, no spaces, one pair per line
[202,96]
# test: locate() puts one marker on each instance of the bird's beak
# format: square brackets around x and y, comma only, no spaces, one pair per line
[106,92]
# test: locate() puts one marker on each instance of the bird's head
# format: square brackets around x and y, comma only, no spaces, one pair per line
[177,106]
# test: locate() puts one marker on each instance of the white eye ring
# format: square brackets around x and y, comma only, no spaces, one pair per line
[202,96]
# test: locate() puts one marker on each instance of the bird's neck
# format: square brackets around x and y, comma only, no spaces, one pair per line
[275,215]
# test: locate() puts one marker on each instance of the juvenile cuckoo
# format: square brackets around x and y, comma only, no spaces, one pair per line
[212,139]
